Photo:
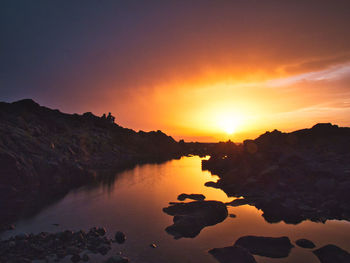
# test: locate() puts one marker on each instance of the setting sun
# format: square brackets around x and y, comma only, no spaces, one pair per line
[229,123]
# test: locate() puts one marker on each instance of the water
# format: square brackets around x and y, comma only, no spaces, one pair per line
[133,204]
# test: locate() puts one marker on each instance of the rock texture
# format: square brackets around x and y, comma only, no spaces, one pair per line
[190,218]
[290,176]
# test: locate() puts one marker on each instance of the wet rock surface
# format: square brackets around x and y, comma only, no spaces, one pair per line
[273,247]
[332,254]
[190,218]
[232,254]
[42,246]
[305,243]
[291,177]
[197,197]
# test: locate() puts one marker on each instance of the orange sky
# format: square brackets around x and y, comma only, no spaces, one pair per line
[194,69]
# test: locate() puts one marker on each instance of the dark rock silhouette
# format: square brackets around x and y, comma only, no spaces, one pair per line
[197,197]
[273,247]
[305,243]
[332,254]
[44,153]
[190,218]
[290,176]
[233,254]
[26,248]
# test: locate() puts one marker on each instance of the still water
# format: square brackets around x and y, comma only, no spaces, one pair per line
[133,203]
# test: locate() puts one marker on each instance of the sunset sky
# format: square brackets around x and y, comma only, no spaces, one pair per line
[197,70]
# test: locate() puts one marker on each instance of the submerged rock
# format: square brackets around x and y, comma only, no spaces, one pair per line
[233,254]
[190,218]
[305,243]
[197,197]
[332,254]
[273,247]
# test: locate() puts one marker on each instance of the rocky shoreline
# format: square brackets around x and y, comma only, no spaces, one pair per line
[291,177]
[44,153]
[78,246]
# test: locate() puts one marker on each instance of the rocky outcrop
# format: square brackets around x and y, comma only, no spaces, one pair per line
[190,218]
[45,152]
[74,245]
[290,176]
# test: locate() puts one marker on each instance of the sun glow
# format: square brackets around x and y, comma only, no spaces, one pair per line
[229,123]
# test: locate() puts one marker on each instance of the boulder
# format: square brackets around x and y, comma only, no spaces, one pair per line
[273,247]
[197,197]
[305,243]
[190,218]
[120,237]
[332,254]
[233,254]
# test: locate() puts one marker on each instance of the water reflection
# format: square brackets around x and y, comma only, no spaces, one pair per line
[133,203]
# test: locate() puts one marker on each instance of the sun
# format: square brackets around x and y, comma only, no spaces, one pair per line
[229,128]
[229,123]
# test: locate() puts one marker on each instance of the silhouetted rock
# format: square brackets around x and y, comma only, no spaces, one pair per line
[273,247]
[291,177]
[44,152]
[233,254]
[238,202]
[117,259]
[305,243]
[197,197]
[332,254]
[190,218]
[120,237]
[40,246]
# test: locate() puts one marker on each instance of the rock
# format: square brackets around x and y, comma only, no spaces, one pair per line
[273,247]
[232,215]
[73,250]
[120,237]
[238,202]
[85,257]
[117,259]
[101,231]
[332,254]
[103,249]
[75,258]
[233,254]
[190,218]
[153,245]
[305,243]
[197,197]
[12,244]
[211,184]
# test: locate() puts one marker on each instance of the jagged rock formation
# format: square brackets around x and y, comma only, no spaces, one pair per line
[46,152]
[290,176]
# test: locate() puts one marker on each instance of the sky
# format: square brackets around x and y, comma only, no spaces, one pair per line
[197,70]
